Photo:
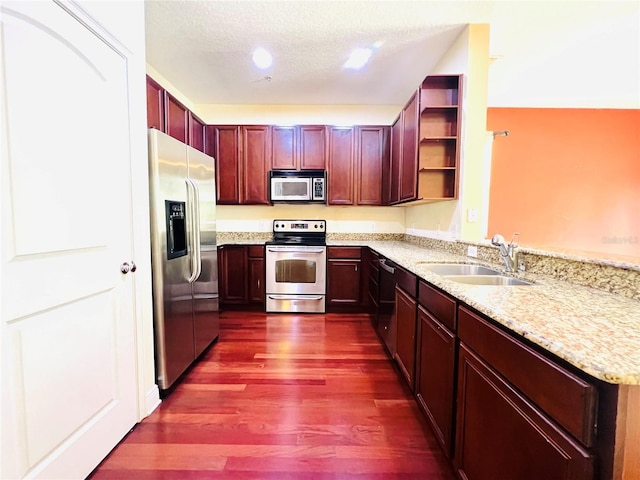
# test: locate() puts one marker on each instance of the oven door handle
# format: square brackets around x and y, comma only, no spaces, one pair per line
[293,297]
[292,250]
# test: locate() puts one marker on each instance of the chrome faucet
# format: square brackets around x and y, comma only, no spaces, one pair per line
[509,253]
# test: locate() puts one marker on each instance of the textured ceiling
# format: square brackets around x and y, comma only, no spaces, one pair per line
[204,47]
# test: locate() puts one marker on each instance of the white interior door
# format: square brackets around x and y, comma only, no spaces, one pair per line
[68,331]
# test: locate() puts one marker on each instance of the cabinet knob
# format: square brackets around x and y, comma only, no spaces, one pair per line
[126,267]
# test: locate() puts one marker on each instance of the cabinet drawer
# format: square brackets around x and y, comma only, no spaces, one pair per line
[565,397]
[256,251]
[343,252]
[406,280]
[440,305]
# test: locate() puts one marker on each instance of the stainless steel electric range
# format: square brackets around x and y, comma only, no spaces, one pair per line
[296,266]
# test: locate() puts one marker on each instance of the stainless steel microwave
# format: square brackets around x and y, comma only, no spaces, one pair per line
[297,186]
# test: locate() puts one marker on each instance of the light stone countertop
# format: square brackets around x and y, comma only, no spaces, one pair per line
[597,332]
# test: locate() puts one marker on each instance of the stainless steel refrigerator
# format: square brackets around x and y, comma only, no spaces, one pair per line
[183,254]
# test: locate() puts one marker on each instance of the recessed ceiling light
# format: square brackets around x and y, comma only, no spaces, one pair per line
[262,58]
[358,58]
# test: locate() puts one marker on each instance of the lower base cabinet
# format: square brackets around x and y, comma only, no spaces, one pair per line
[241,276]
[500,434]
[435,377]
[344,279]
[406,335]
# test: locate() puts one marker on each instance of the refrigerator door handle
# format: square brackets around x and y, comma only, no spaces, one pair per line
[194,220]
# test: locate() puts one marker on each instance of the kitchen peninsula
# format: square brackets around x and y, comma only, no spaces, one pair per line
[589,334]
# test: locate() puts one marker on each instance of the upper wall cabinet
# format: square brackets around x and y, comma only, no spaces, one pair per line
[177,118]
[425,143]
[242,162]
[357,156]
[439,147]
[224,145]
[372,153]
[155,105]
[409,158]
[256,159]
[167,114]
[392,182]
[301,147]
[340,168]
[197,132]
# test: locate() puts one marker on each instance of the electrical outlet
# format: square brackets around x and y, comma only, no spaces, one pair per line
[472,215]
[372,226]
[472,251]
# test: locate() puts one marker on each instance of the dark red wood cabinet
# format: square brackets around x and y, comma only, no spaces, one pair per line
[197,132]
[435,376]
[405,355]
[344,278]
[224,143]
[372,144]
[255,157]
[232,275]
[340,166]
[301,147]
[241,276]
[408,182]
[395,156]
[155,105]
[242,163]
[501,434]
[177,116]
[255,254]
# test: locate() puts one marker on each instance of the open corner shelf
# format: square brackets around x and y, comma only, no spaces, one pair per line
[439,130]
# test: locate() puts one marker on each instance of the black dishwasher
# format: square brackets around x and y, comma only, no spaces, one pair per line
[386,305]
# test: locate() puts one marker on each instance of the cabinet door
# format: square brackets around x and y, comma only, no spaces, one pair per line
[436,351]
[409,159]
[343,282]
[405,354]
[177,119]
[395,160]
[283,148]
[371,144]
[197,132]
[225,149]
[340,166]
[233,274]
[256,280]
[155,105]
[499,434]
[313,147]
[256,162]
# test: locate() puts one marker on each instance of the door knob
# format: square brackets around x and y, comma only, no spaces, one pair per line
[126,267]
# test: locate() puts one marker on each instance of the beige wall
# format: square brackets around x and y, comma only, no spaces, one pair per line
[259,218]
[448,219]
[340,115]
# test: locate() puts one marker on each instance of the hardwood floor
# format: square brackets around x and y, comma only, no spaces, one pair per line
[285,397]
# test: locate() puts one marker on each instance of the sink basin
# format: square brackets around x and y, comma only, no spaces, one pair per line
[500,280]
[459,269]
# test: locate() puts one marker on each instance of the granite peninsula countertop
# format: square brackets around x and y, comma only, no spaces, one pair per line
[596,331]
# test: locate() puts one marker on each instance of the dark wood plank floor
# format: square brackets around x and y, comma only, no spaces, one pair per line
[285,397]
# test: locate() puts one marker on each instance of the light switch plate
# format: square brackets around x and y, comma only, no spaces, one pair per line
[472,251]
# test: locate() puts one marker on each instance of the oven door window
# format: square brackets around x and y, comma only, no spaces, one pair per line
[294,270]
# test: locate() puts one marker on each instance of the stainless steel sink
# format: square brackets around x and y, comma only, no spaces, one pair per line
[500,280]
[459,269]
